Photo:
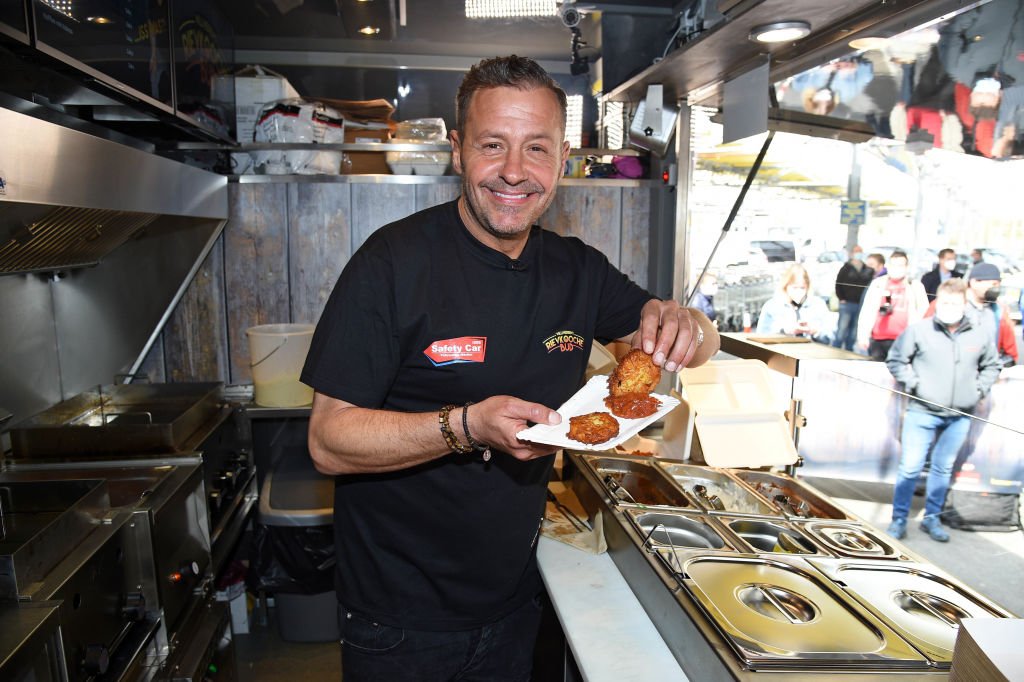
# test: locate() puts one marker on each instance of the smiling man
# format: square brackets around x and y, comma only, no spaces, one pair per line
[448,333]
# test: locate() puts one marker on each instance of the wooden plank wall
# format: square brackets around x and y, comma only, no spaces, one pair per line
[286,245]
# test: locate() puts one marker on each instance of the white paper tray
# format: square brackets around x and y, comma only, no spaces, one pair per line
[588,399]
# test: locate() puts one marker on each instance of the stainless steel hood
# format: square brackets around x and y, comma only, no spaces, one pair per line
[70,198]
[98,242]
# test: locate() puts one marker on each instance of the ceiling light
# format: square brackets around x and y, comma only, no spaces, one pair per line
[501,9]
[62,6]
[780,31]
[369,30]
[99,20]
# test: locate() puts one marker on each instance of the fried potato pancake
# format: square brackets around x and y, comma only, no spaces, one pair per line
[632,405]
[636,373]
[593,428]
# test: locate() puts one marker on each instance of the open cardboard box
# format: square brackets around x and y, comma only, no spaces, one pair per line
[728,419]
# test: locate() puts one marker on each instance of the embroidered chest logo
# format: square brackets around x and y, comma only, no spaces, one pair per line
[452,351]
[564,342]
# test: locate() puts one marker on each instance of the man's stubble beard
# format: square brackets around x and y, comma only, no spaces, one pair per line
[503,233]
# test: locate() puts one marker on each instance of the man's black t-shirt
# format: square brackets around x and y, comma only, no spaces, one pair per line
[425,315]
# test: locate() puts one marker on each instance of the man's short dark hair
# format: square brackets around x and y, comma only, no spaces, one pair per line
[509,72]
[946,252]
[899,254]
[877,256]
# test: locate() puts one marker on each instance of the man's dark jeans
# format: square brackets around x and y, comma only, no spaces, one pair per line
[878,349]
[500,652]
[846,327]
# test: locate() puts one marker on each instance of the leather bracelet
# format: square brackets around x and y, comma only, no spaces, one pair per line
[475,444]
[450,439]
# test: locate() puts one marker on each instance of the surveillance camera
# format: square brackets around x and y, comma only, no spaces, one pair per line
[569,15]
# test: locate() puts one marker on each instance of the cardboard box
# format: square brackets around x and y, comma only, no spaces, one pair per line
[365,162]
[254,86]
[729,418]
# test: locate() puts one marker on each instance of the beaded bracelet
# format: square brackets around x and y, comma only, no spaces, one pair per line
[475,444]
[450,439]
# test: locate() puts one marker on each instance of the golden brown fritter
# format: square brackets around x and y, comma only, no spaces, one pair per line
[632,405]
[636,373]
[593,428]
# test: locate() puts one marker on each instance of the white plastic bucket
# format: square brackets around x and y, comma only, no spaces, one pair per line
[276,355]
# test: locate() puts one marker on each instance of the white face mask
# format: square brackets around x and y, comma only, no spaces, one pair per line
[796,294]
[897,272]
[950,264]
[857,257]
[949,313]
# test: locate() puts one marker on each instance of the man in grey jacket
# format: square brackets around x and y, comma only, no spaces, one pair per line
[946,361]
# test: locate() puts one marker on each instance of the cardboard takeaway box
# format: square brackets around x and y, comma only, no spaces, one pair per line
[729,417]
[365,121]
[365,162]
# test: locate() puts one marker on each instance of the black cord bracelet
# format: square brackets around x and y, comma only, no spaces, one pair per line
[473,443]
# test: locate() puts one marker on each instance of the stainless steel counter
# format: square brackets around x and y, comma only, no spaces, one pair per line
[30,642]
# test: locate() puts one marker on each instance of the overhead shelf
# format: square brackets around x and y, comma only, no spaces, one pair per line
[696,71]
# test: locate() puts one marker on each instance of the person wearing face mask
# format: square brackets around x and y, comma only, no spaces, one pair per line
[851,283]
[794,310]
[943,270]
[891,303]
[983,296]
[704,301]
[947,365]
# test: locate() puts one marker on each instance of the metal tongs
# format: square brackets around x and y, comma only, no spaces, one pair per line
[617,491]
[578,523]
[711,501]
[800,509]
[673,562]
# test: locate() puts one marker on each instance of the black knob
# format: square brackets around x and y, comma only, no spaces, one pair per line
[134,606]
[97,659]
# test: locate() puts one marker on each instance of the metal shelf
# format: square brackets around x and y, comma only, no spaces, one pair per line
[371,147]
[381,179]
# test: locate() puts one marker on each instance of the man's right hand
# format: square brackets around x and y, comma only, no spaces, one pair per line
[497,420]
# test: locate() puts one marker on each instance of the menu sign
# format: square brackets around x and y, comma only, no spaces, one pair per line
[13,21]
[125,43]
[203,50]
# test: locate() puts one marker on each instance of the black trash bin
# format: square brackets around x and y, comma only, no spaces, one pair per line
[293,549]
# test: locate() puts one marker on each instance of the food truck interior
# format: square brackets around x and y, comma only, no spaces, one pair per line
[165,227]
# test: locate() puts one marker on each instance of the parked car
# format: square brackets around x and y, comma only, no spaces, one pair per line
[776,250]
[823,270]
[1008,265]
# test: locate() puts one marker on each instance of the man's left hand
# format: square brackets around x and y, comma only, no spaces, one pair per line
[668,332]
